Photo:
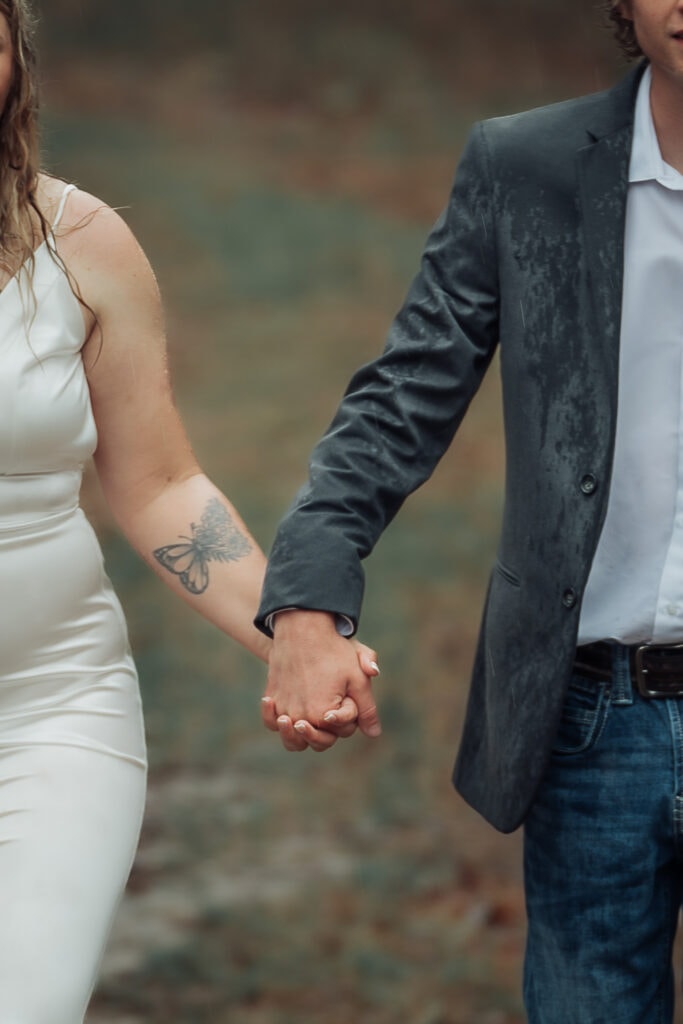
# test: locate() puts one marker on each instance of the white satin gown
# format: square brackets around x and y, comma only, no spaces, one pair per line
[72,749]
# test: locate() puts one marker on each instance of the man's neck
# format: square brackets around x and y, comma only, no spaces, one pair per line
[666,101]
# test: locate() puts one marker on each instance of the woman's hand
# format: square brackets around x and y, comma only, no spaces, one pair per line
[336,722]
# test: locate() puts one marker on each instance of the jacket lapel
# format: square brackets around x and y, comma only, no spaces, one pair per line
[603,184]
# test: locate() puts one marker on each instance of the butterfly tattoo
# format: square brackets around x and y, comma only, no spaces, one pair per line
[215,538]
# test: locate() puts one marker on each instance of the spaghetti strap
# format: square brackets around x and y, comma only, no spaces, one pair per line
[62,203]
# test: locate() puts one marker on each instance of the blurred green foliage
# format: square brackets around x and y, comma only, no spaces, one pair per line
[157,26]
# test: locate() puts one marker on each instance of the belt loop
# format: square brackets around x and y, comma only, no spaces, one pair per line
[621,688]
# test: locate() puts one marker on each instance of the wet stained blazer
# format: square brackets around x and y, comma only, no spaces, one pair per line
[527,257]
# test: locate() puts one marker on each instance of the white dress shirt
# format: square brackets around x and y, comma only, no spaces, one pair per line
[635,589]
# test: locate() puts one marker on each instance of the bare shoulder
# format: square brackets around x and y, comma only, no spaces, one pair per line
[95,242]
[88,221]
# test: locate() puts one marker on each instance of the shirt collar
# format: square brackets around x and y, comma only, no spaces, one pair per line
[646,157]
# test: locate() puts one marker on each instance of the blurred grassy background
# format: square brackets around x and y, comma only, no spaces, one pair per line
[281,161]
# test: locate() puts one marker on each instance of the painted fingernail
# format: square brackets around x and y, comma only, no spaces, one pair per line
[300,726]
[330,717]
[282,720]
[373,664]
[266,700]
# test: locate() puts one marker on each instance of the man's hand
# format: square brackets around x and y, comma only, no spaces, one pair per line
[318,683]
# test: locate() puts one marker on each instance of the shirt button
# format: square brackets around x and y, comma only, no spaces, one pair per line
[569,598]
[588,483]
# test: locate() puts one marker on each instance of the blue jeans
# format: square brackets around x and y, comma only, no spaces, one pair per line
[603,859]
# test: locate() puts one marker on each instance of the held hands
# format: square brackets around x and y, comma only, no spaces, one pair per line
[318,683]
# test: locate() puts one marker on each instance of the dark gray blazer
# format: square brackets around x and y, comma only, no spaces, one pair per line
[528,255]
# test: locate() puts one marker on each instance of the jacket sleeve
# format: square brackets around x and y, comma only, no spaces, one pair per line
[400,412]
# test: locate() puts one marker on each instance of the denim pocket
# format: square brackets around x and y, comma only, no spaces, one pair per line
[584,713]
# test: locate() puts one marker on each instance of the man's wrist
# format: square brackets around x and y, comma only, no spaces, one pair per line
[290,621]
[342,624]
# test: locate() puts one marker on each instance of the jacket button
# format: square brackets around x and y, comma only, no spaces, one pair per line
[569,598]
[588,483]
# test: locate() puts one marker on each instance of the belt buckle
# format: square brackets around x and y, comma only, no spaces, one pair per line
[641,673]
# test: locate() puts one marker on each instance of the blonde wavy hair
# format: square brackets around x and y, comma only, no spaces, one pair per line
[624,32]
[21,222]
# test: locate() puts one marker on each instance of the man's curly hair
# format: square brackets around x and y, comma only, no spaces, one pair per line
[623,30]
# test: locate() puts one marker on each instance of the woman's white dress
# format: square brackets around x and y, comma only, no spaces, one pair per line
[72,749]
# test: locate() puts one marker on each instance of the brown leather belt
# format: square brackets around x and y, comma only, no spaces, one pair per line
[656,670]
